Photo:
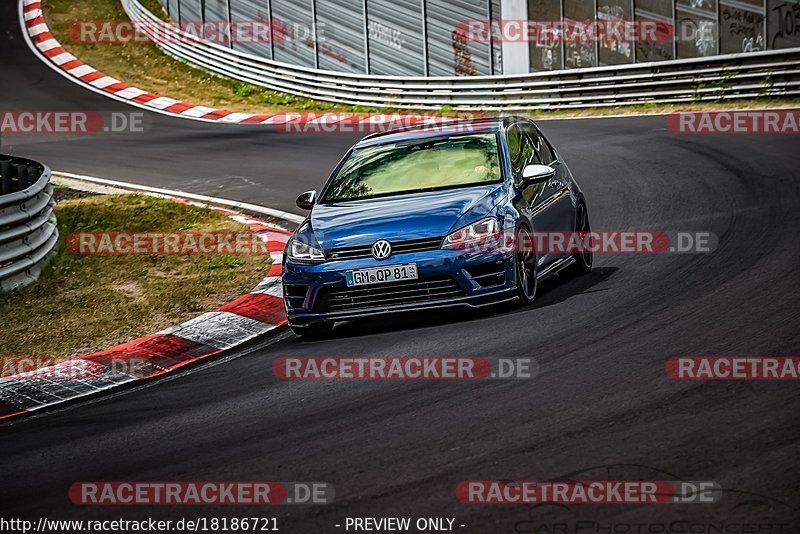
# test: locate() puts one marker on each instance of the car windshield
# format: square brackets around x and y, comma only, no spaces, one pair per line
[421,165]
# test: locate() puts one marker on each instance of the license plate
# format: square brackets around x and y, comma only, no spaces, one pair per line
[382,275]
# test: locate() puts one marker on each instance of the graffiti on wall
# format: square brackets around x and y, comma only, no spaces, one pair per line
[461,56]
[741,30]
[547,49]
[784,24]
[614,14]
[700,34]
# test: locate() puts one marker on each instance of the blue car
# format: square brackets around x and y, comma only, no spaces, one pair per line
[402,223]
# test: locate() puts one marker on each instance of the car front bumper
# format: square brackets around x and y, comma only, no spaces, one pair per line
[447,278]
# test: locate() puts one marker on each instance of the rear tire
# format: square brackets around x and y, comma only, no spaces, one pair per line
[584,258]
[313,331]
[525,267]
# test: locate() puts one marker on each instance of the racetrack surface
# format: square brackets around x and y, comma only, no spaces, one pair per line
[602,397]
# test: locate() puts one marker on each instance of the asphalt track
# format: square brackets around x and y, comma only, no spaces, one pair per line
[399,449]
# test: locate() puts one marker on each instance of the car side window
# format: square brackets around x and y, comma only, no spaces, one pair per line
[544,154]
[529,154]
[516,145]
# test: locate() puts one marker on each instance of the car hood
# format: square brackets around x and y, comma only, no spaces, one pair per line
[402,217]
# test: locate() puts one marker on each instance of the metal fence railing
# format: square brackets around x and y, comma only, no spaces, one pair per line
[28,232]
[774,73]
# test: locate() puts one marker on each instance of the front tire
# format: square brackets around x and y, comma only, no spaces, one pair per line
[313,331]
[525,267]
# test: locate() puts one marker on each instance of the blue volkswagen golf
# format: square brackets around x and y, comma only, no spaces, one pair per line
[401,223]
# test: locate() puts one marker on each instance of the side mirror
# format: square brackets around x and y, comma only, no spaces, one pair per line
[536,174]
[306,200]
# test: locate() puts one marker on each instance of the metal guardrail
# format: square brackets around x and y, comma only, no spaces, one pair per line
[774,73]
[28,231]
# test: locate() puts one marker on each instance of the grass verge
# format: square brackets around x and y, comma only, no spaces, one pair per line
[143,65]
[87,303]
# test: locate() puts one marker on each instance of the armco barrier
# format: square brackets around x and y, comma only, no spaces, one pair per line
[772,73]
[28,232]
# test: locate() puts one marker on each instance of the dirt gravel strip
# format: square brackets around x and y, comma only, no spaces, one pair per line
[241,320]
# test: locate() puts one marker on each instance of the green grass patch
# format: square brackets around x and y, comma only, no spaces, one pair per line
[87,303]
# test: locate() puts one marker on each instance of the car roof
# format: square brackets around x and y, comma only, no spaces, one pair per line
[441,129]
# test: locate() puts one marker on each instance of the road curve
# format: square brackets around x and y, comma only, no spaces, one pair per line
[399,449]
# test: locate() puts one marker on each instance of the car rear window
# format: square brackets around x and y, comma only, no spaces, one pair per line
[420,165]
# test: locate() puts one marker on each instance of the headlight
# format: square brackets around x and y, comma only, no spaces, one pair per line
[305,253]
[301,247]
[481,233]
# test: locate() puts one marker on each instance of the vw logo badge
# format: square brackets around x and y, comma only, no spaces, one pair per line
[381,249]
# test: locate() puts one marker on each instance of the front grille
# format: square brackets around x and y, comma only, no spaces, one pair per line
[355,298]
[402,247]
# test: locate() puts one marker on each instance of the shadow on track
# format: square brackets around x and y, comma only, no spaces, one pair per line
[551,291]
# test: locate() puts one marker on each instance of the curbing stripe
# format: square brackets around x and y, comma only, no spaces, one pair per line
[220,329]
[270,285]
[104,81]
[260,307]
[82,71]
[164,351]
[131,92]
